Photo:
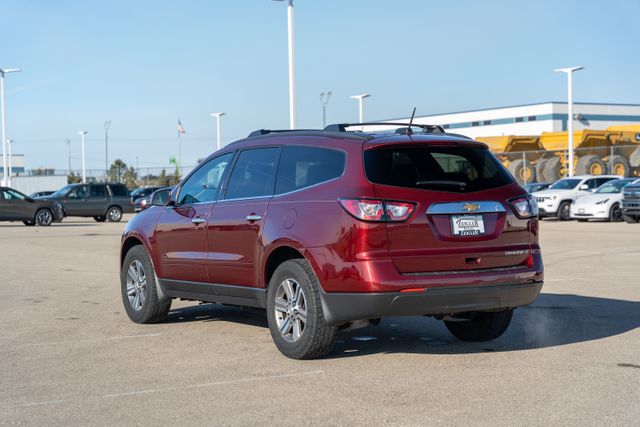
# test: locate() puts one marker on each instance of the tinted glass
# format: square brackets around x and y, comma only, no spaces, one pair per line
[98,191]
[79,192]
[204,185]
[63,191]
[302,167]
[13,195]
[453,169]
[119,191]
[565,184]
[253,174]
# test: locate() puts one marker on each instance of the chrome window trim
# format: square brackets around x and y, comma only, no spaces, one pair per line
[458,208]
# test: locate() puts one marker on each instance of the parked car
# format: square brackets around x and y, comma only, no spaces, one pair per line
[38,194]
[100,201]
[604,203]
[15,206]
[159,197]
[335,229]
[141,192]
[556,200]
[536,186]
[631,203]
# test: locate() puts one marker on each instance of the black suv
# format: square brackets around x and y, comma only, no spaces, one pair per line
[15,206]
[100,201]
[631,203]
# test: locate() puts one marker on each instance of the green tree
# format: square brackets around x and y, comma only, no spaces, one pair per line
[130,177]
[116,171]
[72,178]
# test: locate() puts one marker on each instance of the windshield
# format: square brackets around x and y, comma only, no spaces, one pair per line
[64,190]
[137,191]
[565,184]
[613,186]
[457,169]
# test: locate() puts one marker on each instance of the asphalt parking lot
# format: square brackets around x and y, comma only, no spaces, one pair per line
[70,356]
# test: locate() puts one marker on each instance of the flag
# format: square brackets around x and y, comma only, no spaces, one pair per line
[180,127]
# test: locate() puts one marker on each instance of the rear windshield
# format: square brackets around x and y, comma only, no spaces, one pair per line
[441,168]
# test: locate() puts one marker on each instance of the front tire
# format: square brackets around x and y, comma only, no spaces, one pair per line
[564,211]
[114,214]
[294,312]
[44,217]
[615,214]
[100,218]
[138,288]
[483,326]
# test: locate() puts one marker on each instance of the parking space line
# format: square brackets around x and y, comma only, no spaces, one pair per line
[166,389]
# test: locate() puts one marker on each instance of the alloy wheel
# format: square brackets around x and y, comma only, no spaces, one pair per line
[115,215]
[44,217]
[290,310]
[136,285]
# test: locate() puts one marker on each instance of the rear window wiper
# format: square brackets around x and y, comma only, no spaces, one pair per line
[443,183]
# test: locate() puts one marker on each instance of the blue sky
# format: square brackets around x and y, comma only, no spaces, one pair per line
[144,64]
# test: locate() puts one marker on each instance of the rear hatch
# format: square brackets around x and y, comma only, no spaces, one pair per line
[462,219]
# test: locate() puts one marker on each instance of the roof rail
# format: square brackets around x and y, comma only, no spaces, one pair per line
[342,127]
[268,131]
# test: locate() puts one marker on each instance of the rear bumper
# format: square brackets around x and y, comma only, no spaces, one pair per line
[344,307]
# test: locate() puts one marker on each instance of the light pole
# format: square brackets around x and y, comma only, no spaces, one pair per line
[107,125]
[360,99]
[217,116]
[3,71]
[9,143]
[324,100]
[82,133]
[570,72]
[292,65]
[68,141]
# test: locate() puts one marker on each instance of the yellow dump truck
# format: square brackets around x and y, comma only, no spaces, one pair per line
[544,158]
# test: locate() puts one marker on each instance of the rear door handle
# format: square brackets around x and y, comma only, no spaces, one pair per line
[253,218]
[197,220]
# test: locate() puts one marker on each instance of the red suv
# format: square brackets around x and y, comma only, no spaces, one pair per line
[334,229]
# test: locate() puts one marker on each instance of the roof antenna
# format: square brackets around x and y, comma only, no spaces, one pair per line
[409,131]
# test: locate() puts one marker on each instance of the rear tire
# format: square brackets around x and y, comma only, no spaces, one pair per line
[564,211]
[615,213]
[551,170]
[44,217]
[294,282]
[100,218]
[484,326]
[114,214]
[621,166]
[524,172]
[630,219]
[138,278]
[591,165]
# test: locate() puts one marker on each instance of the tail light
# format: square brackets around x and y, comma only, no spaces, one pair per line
[525,206]
[378,210]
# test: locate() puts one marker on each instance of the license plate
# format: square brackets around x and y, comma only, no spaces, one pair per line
[467,225]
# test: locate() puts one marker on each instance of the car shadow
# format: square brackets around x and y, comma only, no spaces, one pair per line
[552,320]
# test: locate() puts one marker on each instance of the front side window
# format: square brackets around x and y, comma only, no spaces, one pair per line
[204,185]
[455,169]
[565,184]
[302,167]
[79,192]
[253,174]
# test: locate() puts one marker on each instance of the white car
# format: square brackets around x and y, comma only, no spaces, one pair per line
[604,203]
[556,200]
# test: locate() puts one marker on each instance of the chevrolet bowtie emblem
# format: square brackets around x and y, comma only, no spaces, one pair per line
[471,207]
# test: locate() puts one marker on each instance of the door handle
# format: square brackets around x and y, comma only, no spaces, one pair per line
[253,217]
[197,220]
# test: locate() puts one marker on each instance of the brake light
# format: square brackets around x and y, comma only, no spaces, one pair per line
[378,210]
[525,206]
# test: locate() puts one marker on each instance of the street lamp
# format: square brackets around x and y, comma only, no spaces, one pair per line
[360,99]
[9,142]
[324,100]
[107,125]
[292,66]
[570,72]
[217,116]
[82,133]
[5,180]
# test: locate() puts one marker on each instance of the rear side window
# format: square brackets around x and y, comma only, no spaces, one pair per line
[98,191]
[253,174]
[442,168]
[119,191]
[302,167]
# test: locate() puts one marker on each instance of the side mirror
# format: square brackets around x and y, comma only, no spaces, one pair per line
[163,198]
[584,187]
